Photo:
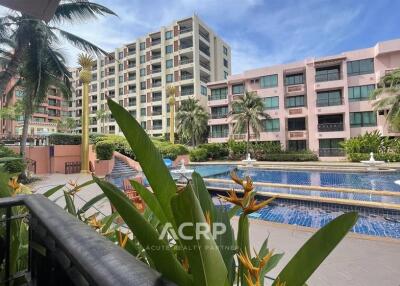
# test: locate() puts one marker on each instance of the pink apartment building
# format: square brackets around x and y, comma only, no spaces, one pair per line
[313,104]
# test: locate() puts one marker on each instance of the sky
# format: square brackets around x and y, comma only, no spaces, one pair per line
[260,33]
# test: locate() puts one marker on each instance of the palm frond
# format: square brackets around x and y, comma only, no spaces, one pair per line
[80,10]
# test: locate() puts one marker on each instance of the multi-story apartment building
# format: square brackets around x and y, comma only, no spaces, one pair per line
[187,54]
[43,121]
[313,104]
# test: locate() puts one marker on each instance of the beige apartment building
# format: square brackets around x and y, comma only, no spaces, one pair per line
[186,54]
[313,104]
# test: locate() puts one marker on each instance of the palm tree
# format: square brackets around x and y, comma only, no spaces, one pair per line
[192,120]
[67,124]
[30,52]
[248,111]
[387,96]
[102,115]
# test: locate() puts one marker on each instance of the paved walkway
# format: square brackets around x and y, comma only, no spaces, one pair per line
[357,261]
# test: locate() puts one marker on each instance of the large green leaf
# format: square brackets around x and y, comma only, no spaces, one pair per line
[225,241]
[69,204]
[148,156]
[157,249]
[206,263]
[315,250]
[53,191]
[90,203]
[150,200]
[243,242]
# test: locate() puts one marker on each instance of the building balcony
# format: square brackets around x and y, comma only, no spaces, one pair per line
[157,70]
[205,51]
[186,61]
[205,65]
[329,102]
[219,115]
[156,98]
[156,84]
[56,257]
[186,76]
[330,127]
[334,84]
[185,46]
[187,92]
[157,127]
[331,152]
[156,112]
[185,30]
[217,101]
[156,57]
[297,135]
[204,35]
[156,42]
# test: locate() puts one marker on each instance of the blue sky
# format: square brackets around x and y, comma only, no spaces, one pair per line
[260,33]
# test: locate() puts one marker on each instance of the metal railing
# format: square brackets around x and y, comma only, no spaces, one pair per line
[329,102]
[204,65]
[186,76]
[185,46]
[156,84]
[223,134]
[219,115]
[153,71]
[331,152]
[217,97]
[328,127]
[186,61]
[63,250]
[155,42]
[155,57]
[187,92]
[327,77]
[185,30]
[205,36]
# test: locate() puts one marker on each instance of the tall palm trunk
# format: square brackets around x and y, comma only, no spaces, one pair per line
[24,138]
[248,137]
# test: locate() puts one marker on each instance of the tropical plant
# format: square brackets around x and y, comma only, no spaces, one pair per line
[248,111]
[67,124]
[387,97]
[206,259]
[12,112]
[192,121]
[102,115]
[30,52]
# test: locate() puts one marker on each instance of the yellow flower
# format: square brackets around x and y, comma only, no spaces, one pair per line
[14,185]
[94,222]
[253,206]
[248,185]
[246,262]
[208,218]
[122,242]
[235,178]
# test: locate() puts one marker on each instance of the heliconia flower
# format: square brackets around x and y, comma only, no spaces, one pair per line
[253,206]
[185,263]
[72,183]
[208,218]
[248,185]
[246,262]
[232,198]
[122,242]
[279,283]
[14,185]
[235,178]
[93,222]
[265,259]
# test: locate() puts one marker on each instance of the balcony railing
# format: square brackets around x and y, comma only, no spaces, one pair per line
[187,92]
[155,57]
[185,46]
[186,76]
[157,112]
[217,97]
[131,52]
[132,78]
[155,42]
[329,127]
[219,115]
[331,152]
[158,70]
[204,79]
[156,84]
[185,30]
[327,77]
[204,65]
[186,61]
[132,90]
[205,36]
[55,257]
[205,51]
[329,102]
[222,134]
[157,98]
[131,66]
[157,127]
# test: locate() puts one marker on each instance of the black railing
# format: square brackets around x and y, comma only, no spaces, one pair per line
[72,167]
[328,127]
[331,152]
[62,250]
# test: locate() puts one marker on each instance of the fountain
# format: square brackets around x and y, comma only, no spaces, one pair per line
[249,162]
[371,163]
[182,170]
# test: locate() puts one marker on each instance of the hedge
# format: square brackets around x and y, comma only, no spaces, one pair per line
[289,156]
[215,151]
[64,139]
[6,152]
[169,150]
[104,150]
[198,155]
[387,157]
[15,166]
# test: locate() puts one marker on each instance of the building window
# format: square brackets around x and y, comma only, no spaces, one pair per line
[143,124]
[203,90]
[272,125]
[143,98]
[219,112]
[133,113]
[142,85]
[225,63]
[142,59]
[120,67]
[225,74]
[362,119]
[102,63]
[329,98]
[142,72]
[120,79]
[238,89]
[271,102]
[169,77]
[295,124]
[269,81]
[120,55]
[297,145]
[219,131]
[132,101]
[219,93]
[327,74]
[102,74]
[359,93]
[120,91]
[169,49]
[225,50]
[111,82]
[168,35]
[143,111]
[295,101]
[359,67]
[294,79]
[142,46]
[169,63]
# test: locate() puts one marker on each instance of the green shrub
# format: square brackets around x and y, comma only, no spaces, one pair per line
[289,156]
[387,157]
[15,166]
[6,152]
[121,145]
[216,151]
[64,139]
[172,151]
[237,149]
[96,137]
[198,155]
[104,150]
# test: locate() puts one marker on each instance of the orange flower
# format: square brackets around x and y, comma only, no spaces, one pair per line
[248,185]
[208,218]
[94,222]
[232,198]
[235,178]
[14,185]
[253,206]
